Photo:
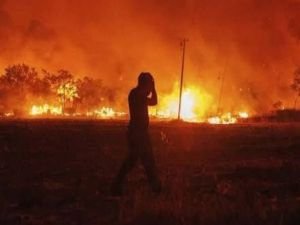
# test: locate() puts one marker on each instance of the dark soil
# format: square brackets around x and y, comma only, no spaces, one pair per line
[60,171]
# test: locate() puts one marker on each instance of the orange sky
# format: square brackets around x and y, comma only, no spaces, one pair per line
[256,42]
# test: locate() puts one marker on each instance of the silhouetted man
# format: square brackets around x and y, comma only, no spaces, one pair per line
[139,143]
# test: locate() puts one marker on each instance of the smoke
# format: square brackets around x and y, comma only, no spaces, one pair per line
[253,44]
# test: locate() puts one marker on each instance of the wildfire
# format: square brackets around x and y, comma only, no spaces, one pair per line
[9,114]
[243,115]
[38,110]
[67,91]
[104,112]
[189,101]
[227,118]
[195,103]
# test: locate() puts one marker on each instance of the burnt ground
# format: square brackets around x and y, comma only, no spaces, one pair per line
[59,172]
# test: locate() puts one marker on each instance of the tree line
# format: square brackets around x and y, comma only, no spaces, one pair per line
[22,86]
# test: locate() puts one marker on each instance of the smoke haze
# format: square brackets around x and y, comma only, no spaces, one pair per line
[253,44]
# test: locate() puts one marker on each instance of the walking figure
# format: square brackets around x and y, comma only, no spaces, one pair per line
[139,143]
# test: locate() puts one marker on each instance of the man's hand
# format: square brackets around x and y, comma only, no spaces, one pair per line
[153,99]
[153,86]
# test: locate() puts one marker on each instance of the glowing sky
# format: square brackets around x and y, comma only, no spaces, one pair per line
[256,43]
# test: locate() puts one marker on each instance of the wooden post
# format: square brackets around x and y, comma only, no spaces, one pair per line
[181,78]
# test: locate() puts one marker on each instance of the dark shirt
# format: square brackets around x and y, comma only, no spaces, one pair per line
[138,108]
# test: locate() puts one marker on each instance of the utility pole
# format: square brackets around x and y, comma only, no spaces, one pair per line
[222,77]
[220,94]
[64,99]
[183,43]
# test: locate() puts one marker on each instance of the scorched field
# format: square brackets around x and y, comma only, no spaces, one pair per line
[60,171]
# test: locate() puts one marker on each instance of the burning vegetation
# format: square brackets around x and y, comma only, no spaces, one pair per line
[27,93]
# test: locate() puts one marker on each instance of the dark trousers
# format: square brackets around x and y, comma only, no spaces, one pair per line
[139,148]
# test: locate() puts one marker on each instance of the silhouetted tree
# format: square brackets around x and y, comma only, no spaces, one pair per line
[19,76]
[17,83]
[61,85]
[93,93]
[21,86]
[56,80]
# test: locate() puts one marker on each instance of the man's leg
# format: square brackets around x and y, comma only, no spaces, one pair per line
[148,161]
[126,167]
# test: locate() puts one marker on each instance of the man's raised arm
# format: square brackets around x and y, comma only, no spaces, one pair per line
[153,99]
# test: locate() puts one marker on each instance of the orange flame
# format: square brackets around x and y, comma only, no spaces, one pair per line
[38,110]
[195,104]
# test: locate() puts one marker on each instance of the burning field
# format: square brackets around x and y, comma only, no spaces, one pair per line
[241,57]
[59,172]
[26,93]
[223,70]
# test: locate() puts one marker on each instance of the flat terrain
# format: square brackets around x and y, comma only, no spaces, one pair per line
[59,172]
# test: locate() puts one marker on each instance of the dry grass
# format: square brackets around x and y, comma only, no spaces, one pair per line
[59,172]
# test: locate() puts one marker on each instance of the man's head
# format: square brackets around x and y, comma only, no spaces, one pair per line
[146,81]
